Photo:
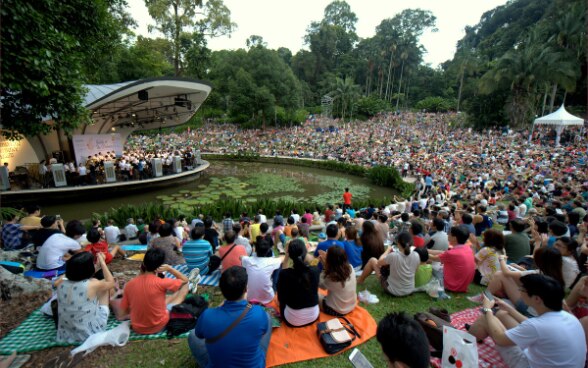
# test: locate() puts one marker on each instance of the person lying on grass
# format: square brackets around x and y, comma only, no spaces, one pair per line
[396,270]
[144,297]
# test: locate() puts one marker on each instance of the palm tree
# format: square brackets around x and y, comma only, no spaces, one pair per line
[344,93]
[403,57]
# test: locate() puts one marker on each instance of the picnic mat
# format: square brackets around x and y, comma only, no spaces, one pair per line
[290,345]
[38,332]
[37,274]
[208,280]
[137,257]
[134,248]
[487,354]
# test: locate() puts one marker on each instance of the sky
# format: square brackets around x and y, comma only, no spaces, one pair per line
[283,23]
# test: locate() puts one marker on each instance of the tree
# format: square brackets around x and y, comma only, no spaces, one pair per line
[344,94]
[146,58]
[44,53]
[174,16]
[339,14]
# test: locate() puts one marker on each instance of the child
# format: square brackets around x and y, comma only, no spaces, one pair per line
[425,271]
[98,245]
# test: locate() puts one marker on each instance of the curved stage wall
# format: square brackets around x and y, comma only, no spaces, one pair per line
[59,195]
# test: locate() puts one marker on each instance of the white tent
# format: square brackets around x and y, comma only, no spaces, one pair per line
[560,119]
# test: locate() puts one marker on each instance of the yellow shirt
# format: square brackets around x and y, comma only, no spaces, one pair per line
[255,231]
[30,221]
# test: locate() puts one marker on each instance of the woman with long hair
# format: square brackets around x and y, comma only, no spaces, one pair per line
[506,282]
[339,280]
[396,269]
[372,243]
[82,299]
[298,287]
[570,260]
[169,243]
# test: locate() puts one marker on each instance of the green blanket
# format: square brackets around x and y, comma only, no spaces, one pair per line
[38,332]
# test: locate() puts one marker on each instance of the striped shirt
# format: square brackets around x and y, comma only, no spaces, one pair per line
[197,254]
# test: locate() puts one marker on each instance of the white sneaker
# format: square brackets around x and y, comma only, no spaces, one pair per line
[193,280]
[364,296]
[373,299]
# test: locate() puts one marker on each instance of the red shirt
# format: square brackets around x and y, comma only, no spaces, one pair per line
[145,296]
[459,267]
[418,241]
[234,258]
[100,247]
[347,198]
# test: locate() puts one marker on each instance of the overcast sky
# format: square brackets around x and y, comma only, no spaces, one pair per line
[283,23]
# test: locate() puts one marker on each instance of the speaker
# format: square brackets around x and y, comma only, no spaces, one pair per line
[143,95]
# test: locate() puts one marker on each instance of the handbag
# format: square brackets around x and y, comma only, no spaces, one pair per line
[335,336]
[215,261]
[433,327]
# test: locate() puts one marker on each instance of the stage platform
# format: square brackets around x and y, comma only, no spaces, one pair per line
[46,196]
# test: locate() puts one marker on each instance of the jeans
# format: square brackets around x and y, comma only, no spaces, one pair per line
[200,353]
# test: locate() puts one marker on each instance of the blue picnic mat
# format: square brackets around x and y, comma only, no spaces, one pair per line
[208,280]
[37,274]
[134,248]
[38,332]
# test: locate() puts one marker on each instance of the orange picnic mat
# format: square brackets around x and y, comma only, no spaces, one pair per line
[290,345]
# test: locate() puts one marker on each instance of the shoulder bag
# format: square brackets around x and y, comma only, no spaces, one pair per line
[215,261]
[233,325]
[335,336]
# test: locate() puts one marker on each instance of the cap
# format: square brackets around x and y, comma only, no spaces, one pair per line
[322,236]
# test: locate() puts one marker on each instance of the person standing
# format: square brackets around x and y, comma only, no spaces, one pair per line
[347,199]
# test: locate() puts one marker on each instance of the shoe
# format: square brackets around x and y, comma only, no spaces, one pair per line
[373,299]
[364,296]
[476,298]
[441,313]
[193,280]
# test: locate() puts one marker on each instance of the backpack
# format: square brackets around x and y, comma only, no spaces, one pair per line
[183,316]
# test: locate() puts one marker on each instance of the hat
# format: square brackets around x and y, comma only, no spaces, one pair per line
[322,236]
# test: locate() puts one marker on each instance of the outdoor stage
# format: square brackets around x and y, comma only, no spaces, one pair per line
[45,196]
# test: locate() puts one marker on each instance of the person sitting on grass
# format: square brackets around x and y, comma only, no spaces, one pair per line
[99,245]
[215,342]
[260,269]
[353,248]
[82,299]
[298,287]
[339,280]
[169,243]
[59,247]
[425,271]
[487,261]
[197,251]
[332,233]
[396,270]
[403,341]
[144,297]
[506,282]
[14,235]
[553,339]
[459,266]
[231,253]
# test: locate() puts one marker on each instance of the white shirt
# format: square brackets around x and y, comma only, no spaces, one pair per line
[554,339]
[259,282]
[262,218]
[52,251]
[111,233]
[131,230]
[296,217]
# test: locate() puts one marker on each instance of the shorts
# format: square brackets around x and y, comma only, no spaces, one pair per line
[384,282]
[513,356]
[330,311]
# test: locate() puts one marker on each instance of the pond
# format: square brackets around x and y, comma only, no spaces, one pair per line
[240,180]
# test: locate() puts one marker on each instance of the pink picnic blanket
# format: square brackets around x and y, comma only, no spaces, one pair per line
[487,354]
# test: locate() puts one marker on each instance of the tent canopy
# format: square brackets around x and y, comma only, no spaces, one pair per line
[561,118]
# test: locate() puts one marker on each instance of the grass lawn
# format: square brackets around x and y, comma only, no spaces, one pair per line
[175,353]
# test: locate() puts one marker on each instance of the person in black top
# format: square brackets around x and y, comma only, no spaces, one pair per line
[51,225]
[298,287]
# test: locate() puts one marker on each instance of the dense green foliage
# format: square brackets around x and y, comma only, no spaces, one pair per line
[46,53]
[522,59]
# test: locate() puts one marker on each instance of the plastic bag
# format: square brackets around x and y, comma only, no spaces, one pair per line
[460,349]
[118,336]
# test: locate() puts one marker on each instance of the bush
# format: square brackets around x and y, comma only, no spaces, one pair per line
[436,104]
[370,106]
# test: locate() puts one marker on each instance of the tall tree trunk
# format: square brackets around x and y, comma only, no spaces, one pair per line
[406,89]
[380,80]
[460,89]
[399,84]
[388,81]
[563,102]
[177,40]
[544,101]
[553,93]
[392,85]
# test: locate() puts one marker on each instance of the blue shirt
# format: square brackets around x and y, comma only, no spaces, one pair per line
[353,253]
[11,236]
[351,212]
[240,347]
[197,254]
[325,246]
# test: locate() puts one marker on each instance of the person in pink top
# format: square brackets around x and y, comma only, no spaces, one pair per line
[231,253]
[459,265]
